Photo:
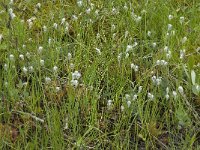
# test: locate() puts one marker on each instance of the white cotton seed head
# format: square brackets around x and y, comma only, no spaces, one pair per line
[25,70]
[40,49]
[150,96]
[140,89]
[180,89]
[63,20]
[170,17]
[169,27]
[69,56]
[42,62]
[174,93]
[167,90]
[129,48]
[55,25]
[1,37]
[47,80]
[38,5]
[149,33]
[135,96]
[55,69]
[21,57]
[154,44]
[184,40]
[76,75]
[30,68]
[127,96]
[127,55]
[80,3]
[44,28]
[167,96]
[182,19]
[128,103]
[5,66]
[98,51]
[88,11]
[122,108]
[11,57]
[109,103]
[74,17]
[74,83]
[28,55]
[57,89]
[166,49]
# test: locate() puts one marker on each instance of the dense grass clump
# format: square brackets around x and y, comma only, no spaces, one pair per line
[99,74]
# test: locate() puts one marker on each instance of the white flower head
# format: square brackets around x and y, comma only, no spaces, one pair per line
[40,49]
[138,19]
[182,53]
[69,56]
[180,89]
[167,90]
[76,75]
[135,97]
[184,40]
[128,103]
[12,15]
[166,49]
[150,96]
[57,89]
[154,44]
[149,33]
[140,89]
[1,37]
[174,93]
[182,19]
[38,5]
[11,57]
[74,83]
[63,20]
[55,69]
[5,66]
[168,55]
[98,51]
[30,68]
[122,108]
[88,11]
[80,3]
[25,70]
[129,48]
[170,17]
[44,28]
[127,96]
[135,67]
[28,55]
[167,96]
[42,62]
[55,25]
[169,27]
[74,17]
[71,66]
[47,80]
[198,49]
[109,103]
[21,57]
[158,81]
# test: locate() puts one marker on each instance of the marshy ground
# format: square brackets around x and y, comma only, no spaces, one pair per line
[99,74]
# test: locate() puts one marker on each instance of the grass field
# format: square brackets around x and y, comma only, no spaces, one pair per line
[100,74]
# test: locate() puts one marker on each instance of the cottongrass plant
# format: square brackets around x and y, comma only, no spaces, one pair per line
[92,74]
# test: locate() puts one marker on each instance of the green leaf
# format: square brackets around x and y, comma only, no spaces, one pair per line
[193,77]
[195,90]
